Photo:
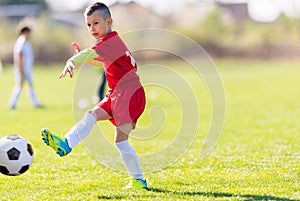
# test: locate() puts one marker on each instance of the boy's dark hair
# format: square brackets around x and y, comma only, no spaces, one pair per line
[25,30]
[22,29]
[105,13]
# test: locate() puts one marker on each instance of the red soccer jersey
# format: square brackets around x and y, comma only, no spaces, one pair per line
[118,63]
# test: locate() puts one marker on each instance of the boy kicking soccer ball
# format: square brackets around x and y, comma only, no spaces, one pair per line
[124,102]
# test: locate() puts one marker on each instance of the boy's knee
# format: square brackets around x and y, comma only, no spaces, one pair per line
[124,128]
[99,113]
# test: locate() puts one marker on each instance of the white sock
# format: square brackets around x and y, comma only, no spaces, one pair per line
[80,130]
[130,160]
[15,96]
[33,97]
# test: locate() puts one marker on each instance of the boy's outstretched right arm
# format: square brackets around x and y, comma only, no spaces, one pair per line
[79,58]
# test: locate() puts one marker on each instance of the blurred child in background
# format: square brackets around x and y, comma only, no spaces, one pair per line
[23,64]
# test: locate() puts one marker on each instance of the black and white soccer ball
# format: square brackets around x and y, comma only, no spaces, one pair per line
[16,155]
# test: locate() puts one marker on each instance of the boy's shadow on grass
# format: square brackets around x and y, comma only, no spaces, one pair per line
[208,194]
[226,195]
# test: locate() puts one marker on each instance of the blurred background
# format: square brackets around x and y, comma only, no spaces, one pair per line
[264,29]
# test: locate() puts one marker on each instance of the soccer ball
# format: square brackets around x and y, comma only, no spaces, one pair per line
[16,155]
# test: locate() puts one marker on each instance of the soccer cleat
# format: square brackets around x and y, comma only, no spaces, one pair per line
[60,146]
[137,184]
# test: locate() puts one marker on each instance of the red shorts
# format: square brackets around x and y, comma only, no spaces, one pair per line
[125,103]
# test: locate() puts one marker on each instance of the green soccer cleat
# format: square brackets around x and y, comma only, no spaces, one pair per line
[137,184]
[60,145]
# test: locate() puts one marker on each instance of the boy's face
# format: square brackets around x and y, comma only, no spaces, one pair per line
[97,25]
[26,34]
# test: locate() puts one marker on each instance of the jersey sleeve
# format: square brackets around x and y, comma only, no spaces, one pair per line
[85,56]
[94,62]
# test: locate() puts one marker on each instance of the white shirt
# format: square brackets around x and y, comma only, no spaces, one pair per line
[23,46]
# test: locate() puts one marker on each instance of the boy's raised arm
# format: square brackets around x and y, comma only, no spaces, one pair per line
[77,59]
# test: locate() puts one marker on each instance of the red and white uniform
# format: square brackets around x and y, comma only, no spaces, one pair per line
[125,101]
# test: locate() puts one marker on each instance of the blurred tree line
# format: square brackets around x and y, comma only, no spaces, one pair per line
[221,38]
[281,39]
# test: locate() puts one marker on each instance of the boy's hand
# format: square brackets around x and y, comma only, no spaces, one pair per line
[68,69]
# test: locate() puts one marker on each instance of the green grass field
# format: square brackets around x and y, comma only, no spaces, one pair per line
[256,158]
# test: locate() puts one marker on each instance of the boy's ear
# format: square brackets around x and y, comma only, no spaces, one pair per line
[109,21]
